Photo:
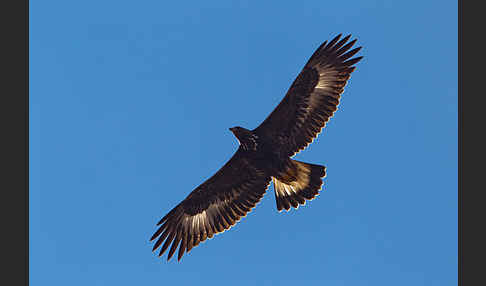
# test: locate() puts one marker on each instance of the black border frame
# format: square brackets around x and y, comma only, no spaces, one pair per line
[471,145]
[15,148]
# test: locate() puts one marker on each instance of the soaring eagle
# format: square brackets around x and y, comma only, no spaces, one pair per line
[264,155]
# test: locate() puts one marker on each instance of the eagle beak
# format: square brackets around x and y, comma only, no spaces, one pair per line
[231,129]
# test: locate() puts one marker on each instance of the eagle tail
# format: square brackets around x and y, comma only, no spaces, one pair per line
[299,183]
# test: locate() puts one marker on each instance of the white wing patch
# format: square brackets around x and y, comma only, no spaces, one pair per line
[324,86]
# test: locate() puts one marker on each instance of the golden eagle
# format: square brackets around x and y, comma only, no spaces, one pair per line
[264,155]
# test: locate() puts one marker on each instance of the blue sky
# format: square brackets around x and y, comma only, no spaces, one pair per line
[130,105]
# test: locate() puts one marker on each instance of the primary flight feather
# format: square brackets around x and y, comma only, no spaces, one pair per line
[264,155]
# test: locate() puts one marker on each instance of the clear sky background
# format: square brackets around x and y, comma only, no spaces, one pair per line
[130,105]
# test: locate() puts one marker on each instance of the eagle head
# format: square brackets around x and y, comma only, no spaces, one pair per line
[247,139]
[240,132]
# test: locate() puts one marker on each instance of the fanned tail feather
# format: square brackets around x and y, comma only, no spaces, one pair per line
[300,183]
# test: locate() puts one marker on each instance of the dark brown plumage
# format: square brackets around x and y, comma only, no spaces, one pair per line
[265,155]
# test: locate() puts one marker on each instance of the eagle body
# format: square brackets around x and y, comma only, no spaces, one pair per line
[265,155]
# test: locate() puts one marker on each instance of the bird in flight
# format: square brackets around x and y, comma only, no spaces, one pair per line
[264,155]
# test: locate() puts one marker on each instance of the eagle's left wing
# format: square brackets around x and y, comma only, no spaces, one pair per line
[213,207]
[313,97]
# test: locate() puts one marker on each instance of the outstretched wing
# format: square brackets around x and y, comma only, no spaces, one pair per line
[313,97]
[213,207]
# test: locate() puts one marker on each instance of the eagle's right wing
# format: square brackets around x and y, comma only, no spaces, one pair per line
[313,97]
[213,207]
